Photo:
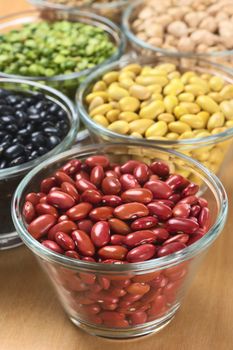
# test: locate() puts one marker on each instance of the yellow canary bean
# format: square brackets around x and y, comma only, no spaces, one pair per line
[201,134]
[137,135]
[119,126]
[115,104]
[139,91]
[206,76]
[216,131]
[170,102]
[198,131]
[215,96]
[200,155]
[134,67]
[99,86]
[191,107]
[110,77]
[126,83]
[140,125]
[128,116]
[229,124]
[126,75]
[216,121]
[93,95]
[155,71]
[154,88]
[103,109]
[186,97]
[207,104]
[195,89]
[145,103]
[174,75]
[172,136]
[156,138]
[216,84]
[116,92]
[196,178]
[152,110]
[185,78]
[175,87]
[204,116]
[100,119]
[183,172]
[179,127]
[179,111]
[97,101]
[156,97]
[227,92]
[186,135]
[193,120]
[167,67]
[200,81]
[166,117]
[151,80]
[227,109]
[216,155]
[129,104]
[157,129]
[113,115]
[146,70]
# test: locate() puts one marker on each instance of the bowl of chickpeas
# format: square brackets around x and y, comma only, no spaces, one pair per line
[182,28]
[158,101]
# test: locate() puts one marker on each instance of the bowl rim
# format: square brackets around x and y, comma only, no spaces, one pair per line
[143,44]
[96,20]
[91,3]
[213,182]
[70,109]
[88,121]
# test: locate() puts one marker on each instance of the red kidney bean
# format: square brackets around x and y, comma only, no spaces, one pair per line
[170,248]
[160,233]
[117,239]
[85,225]
[160,168]
[72,166]
[195,237]
[117,292]
[138,288]
[146,277]
[82,175]
[104,283]
[33,198]
[116,323]
[182,225]
[141,253]
[101,213]
[122,283]
[159,282]
[61,177]
[63,218]
[141,173]
[159,189]
[111,185]
[97,160]
[97,175]
[83,185]
[60,200]
[161,210]
[64,241]
[139,237]
[204,218]
[92,309]
[92,196]
[131,210]
[103,296]
[182,238]
[96,288]
[79,211]
[52,246]
[70,189]
[138,317]
[88,258]
[65,226]
[175,272]
[128,181]
[129,299]
[141,195]
[29,212]
[191,200]
[113,261]
[176,181]
[43,208]
[190,190]
[55,189]
[171,289]
[181,210]
[195,210]
[144,223]
[72,254]
[40,226]
[108,307]
[111,173]
[83,243]
[202,202]
[113,252]
[100,234]
[129,166]
[43,200]
[111,200]
[88,278]
[175,197]
[94,319]
[158,306]
[119,226]
[47,184]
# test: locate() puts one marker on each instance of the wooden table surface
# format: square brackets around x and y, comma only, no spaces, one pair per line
[31,317]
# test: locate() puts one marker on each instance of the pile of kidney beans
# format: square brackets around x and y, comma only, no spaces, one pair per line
[30,126]
[102,212]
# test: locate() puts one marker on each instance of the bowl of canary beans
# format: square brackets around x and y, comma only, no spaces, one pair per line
[158,101]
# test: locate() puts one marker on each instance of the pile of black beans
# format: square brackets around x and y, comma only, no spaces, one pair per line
[30,126]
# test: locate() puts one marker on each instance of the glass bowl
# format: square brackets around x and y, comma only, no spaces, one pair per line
[95,295]
[130,14]
[10,177]
[110,9]
[65,83]
[211,150]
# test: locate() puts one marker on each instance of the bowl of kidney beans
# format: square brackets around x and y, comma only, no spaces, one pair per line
[36,122]
[119,233]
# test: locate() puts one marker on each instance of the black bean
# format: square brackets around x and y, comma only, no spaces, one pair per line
[17,161]
[14,151]
[3,164]
[5,109]
[12,128]
[4,93]
[53,141]
[24,132]
[42,150]
[39,140]
[13,99]
[8,119]
[51,131]
[34,117]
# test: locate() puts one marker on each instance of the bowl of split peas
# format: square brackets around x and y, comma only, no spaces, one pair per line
[158,101]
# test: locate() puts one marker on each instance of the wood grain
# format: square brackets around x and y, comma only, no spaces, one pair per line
[31,317]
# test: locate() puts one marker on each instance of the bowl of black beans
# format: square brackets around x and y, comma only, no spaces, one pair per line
[36,122]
